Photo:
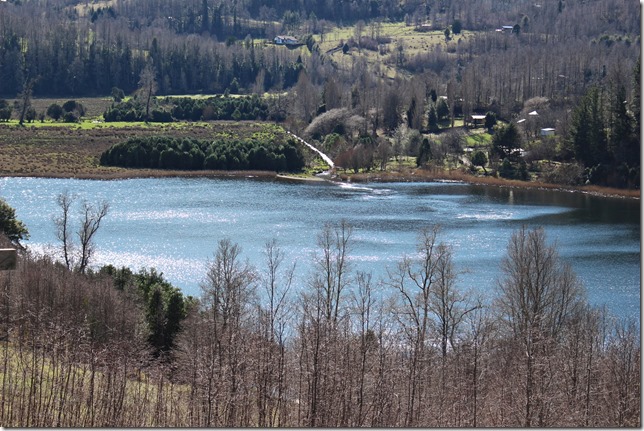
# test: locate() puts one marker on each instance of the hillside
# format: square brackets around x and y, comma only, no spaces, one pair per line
[362,75]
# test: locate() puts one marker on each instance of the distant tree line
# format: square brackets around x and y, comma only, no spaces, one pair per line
[192,109]
[49,53]
[194,154]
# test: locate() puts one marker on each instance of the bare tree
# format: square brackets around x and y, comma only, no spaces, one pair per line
[364,301]
[78,258]
[90,222]
[383,153]
[148,86]
[306,100]
[323,313]
[447,303]
[227,297]
[333,268]
[64,201]
[538,296]
[24,99]
[414,281]
[272,322]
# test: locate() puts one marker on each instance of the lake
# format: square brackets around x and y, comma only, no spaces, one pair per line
[174,224]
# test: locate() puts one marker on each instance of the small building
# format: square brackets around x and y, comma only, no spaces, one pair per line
[548,131]
[285,40]
[477,120]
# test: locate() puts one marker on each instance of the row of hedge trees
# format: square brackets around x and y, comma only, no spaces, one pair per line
[192,154]
[188,108]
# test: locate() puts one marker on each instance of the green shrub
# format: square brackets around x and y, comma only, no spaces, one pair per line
[193,154]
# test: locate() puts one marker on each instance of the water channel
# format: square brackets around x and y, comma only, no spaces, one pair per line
[174,224]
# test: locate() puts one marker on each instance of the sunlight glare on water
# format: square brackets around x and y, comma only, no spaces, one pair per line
[174,224]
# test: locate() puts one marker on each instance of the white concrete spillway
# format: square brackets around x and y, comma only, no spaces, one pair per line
[326,158]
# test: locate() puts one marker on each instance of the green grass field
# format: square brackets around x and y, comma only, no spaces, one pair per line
[478,139]
[413,42]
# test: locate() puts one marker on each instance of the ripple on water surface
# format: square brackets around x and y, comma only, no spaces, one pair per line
[174,224]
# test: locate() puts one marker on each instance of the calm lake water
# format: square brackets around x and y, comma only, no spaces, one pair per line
[174,225]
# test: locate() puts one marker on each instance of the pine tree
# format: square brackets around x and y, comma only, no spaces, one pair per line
[205,20]
[620,126]
[636,108]
[432,119]
[587,137]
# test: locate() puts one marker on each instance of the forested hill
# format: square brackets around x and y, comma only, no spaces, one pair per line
[76,48]
[360,76]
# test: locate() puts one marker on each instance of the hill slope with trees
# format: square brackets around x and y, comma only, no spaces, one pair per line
[428,66]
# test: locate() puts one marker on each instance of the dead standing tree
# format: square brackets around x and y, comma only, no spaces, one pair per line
[148,87]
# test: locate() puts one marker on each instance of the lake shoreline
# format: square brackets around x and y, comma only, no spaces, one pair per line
[375,177]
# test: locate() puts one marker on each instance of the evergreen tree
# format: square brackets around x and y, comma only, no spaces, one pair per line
[10,226]
[636,106]
[155,317]
[433,95]
[424,153]
[205,20]
[442,110]
[587,137]
[490,121]
[457,26]
[506,140]
[479,159]
[620,126]
[432,119]
[411,111]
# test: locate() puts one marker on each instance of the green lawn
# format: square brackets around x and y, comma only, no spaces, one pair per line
[478,139]
[414,42]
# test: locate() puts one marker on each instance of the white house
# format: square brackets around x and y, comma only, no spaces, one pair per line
[505,29]
[285,40]
[548,131]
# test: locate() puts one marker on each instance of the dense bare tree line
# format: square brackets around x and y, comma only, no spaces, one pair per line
[333,347]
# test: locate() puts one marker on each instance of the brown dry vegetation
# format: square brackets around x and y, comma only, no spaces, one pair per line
[434,174]
[341,350]
[61,151]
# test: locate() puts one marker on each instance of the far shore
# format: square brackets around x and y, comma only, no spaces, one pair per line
[415,175]
[60,152]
